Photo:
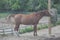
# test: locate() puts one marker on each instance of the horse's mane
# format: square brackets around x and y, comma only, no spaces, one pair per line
[41,11]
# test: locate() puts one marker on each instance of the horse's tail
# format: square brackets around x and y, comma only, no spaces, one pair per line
[9,17]
[12,15]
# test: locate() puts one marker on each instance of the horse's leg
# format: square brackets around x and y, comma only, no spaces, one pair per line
[16,30]
[35,30]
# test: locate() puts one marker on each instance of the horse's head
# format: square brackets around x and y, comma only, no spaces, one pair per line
[46,13]
[53,12]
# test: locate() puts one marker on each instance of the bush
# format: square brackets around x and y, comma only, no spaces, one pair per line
[30,29]
[58,23]
[22,31]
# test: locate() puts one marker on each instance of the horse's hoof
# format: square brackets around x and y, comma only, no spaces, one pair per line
[35,34]
[18,35]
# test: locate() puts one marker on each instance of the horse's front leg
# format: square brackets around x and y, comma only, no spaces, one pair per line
[35,30]
[16,30]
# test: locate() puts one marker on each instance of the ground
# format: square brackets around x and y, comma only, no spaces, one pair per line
[42,35]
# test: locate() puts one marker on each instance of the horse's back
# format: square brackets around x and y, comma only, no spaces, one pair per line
[25,18]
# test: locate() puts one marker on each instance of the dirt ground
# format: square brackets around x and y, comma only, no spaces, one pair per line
[42,35]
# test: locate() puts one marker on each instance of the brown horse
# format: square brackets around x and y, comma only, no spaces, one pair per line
[29,19]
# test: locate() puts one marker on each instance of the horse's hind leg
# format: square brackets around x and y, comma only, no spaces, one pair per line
[16,30]
[35,30]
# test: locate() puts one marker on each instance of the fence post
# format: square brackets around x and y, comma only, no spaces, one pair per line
[3,29]
[49,7]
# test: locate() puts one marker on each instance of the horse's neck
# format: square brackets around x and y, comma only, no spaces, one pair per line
[41,14]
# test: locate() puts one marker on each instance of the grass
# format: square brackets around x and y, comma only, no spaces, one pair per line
[30,29]
[2,15]
[39,27]
[58,23]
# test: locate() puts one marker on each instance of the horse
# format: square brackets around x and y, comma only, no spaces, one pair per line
[28,19]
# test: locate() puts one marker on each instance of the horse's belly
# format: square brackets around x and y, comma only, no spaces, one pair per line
[27,21]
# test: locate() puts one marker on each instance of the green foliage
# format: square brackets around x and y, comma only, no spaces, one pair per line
[3,15]
[26,5]
[22,31]
[56,1]
[29,29]
[58,23]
